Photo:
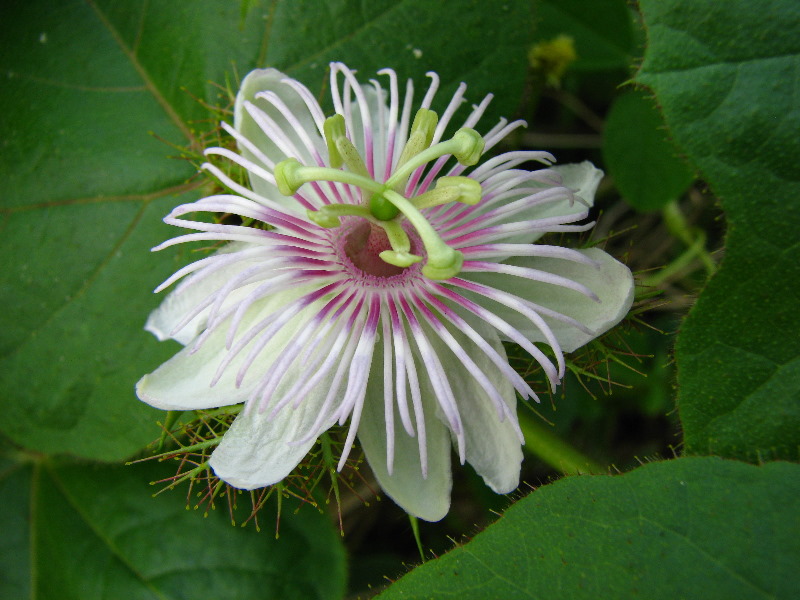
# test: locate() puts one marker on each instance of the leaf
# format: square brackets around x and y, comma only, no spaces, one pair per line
[93,532]
[86,185]
[726,76]
[461,40]
[684,528]
[640,157]
[602,30]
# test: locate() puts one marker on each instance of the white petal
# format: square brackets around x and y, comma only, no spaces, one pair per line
[426,498]
[256,450]
[183,382]
[184,298]
[582,178]
[493,446]
[612,282]
[269,80]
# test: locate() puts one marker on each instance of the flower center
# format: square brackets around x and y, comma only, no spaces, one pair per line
[363,246]
[382,206]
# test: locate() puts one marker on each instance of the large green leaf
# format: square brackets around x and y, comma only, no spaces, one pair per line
[86,533]
[85,185]
[726,75]
[85,189]
[461,40]
[685,528]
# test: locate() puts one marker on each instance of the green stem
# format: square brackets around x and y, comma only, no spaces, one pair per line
[681,262]
[169,422]
[677,225]
[555,451]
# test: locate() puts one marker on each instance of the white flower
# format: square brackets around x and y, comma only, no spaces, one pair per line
[382,289]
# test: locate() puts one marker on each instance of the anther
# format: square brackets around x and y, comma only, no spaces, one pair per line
[400,255]
[421,135]
[400,259]
[450,189]
[329,215]
[341,151]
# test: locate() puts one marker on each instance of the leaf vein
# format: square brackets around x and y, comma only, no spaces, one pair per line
[148,82]
[689,542]
[264,46]
[33,508]
[343,40]
[76,86]
[114,551]
[513,584]
[83,288]
[146,198]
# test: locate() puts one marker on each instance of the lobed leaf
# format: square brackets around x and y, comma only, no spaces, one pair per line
[726,75]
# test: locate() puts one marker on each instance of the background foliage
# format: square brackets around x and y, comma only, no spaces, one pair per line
[684,102]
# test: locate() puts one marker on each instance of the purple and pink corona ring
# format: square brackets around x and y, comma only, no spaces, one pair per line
[379,263]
